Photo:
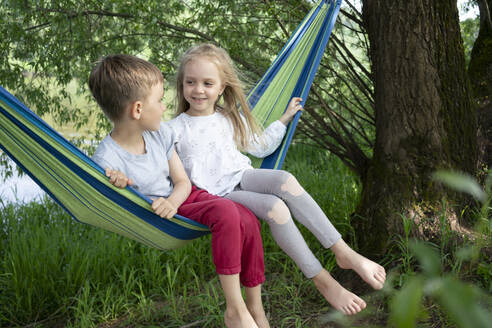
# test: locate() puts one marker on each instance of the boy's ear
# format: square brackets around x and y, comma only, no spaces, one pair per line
[136,110]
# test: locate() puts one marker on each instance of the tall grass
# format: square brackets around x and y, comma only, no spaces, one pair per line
[55,272]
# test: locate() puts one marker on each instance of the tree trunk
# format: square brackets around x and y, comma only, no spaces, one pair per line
[425,118]
[480,73]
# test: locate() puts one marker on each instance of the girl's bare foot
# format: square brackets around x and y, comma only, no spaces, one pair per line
[340,298]
[371,272]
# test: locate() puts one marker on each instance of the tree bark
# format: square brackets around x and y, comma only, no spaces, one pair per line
[480,73]
[425,118]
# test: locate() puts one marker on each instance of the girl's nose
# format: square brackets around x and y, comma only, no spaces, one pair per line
[199,88]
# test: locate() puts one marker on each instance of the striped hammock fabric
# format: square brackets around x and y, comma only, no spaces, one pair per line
[79,185]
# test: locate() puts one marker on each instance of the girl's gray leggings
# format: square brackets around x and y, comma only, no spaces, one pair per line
[273,195]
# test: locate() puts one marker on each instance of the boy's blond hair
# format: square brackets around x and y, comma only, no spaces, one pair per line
[119,80]
[234,102]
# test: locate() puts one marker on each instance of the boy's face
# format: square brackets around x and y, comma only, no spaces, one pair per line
[153,108]
[202,86]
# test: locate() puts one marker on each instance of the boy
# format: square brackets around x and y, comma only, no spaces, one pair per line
[139,152]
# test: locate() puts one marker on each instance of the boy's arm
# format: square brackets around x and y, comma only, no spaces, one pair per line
[168,207]
[181,182]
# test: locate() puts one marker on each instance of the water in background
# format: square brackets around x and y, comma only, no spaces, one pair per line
[22,189]
[19,189]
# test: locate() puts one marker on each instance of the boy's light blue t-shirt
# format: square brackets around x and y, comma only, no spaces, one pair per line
[149,171]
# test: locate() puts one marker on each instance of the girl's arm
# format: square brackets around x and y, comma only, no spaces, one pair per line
[272,136]
[168,207]
[292,109]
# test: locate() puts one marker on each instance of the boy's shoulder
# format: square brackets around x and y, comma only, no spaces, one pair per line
[161,140]
[106,154]
[106,145]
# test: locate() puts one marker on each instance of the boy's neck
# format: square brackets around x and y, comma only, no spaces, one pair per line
[129,138]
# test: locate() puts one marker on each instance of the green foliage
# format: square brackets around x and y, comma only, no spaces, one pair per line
[465,183]
[62,39]
[462,302]
[438,285]
[462,182]
[406,307]
[469,33]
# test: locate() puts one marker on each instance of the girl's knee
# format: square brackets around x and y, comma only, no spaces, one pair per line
[291,185]
[279,213]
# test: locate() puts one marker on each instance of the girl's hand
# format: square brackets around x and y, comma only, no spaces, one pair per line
[118,178]
[292,109]
[164,208]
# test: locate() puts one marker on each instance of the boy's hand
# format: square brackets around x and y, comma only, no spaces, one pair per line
[118,179]
[292,109]
[164,208]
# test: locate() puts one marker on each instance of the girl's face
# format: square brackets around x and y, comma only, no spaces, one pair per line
[202,86]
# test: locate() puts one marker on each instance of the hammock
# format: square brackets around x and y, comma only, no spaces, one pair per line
[79,185]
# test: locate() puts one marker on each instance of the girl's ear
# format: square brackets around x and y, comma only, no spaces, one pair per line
[222,89]
[136,110]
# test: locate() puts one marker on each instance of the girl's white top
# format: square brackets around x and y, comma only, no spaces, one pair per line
[210,157]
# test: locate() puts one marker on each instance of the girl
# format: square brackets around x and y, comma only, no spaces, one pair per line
[210,133]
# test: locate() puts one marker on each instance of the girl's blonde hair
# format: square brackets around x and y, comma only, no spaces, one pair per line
[234,101]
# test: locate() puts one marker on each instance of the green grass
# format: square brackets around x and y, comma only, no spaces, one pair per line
[55,272]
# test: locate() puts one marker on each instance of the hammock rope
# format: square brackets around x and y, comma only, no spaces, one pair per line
[80,186]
